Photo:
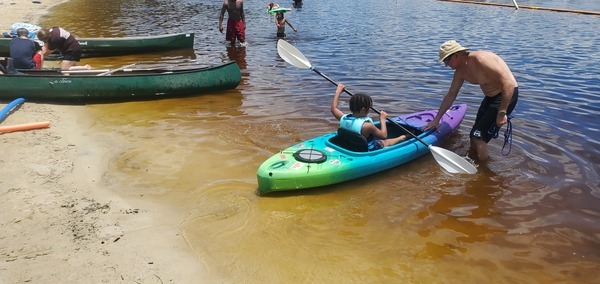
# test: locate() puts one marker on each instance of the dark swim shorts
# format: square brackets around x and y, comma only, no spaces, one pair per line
[486,115]
[71,55]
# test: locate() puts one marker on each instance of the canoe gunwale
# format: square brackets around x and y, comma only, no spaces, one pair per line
[137,38]
[114,46]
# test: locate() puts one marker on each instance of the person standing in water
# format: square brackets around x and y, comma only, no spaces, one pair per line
[497,82]
[280,22]
[236,22]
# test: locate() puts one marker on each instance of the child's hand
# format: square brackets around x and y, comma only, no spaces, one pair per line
[340,88]
[383,115]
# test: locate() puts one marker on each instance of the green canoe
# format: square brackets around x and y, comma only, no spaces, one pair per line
[110,46]
[118,84]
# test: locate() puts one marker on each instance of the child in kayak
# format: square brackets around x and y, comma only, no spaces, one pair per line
[359,122]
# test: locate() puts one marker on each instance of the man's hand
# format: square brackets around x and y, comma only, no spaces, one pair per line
[501,119]
[432,124]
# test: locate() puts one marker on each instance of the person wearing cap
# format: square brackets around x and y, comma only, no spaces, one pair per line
[499,86]
[24,52]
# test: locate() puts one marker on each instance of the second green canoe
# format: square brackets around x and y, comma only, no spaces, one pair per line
[111,46]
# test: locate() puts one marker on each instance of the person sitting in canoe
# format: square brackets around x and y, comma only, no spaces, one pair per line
[24,52]
[59,38]
[359,122]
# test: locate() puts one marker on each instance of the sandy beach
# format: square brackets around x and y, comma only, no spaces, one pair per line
[59,223]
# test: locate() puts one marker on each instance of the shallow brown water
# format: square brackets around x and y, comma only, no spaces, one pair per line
[529,217]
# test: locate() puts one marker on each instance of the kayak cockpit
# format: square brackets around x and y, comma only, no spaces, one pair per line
[355,142]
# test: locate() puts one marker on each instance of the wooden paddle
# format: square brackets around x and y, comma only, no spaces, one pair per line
[450,161]
[115,70]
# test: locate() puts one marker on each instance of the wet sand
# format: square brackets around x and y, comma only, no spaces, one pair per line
[60,222]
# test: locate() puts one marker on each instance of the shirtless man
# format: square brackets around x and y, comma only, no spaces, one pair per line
[497,82]
[236,23]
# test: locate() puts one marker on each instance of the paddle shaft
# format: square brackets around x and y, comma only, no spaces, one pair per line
[115,70]
[351,94]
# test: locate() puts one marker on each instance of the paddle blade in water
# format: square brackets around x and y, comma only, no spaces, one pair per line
[452,162]
[292,55]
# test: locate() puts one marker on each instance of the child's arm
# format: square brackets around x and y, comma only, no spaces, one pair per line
[337,113]
[278,24]
[290,24]
[372,129]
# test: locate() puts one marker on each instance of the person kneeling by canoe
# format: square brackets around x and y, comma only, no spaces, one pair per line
[359,122]
[59,38]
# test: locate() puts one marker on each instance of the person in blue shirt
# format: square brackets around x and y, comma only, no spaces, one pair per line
[359,122]
[24,52]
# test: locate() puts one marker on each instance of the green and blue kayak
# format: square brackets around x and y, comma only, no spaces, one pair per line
[341,156]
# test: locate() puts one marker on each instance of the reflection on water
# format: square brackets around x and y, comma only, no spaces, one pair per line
[238,54]
[469,213]
[529,217]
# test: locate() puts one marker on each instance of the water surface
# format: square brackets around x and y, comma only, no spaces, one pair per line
[528,217]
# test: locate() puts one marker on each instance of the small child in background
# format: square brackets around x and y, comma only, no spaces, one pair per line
[272,6]
[281,21]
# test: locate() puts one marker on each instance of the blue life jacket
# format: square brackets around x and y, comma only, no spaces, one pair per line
[354,124]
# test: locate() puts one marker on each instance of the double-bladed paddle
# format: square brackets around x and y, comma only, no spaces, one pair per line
[450,161]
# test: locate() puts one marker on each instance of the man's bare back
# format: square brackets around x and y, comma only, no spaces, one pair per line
[487,70]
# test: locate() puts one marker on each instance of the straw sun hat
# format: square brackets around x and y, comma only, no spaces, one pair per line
[448,48]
